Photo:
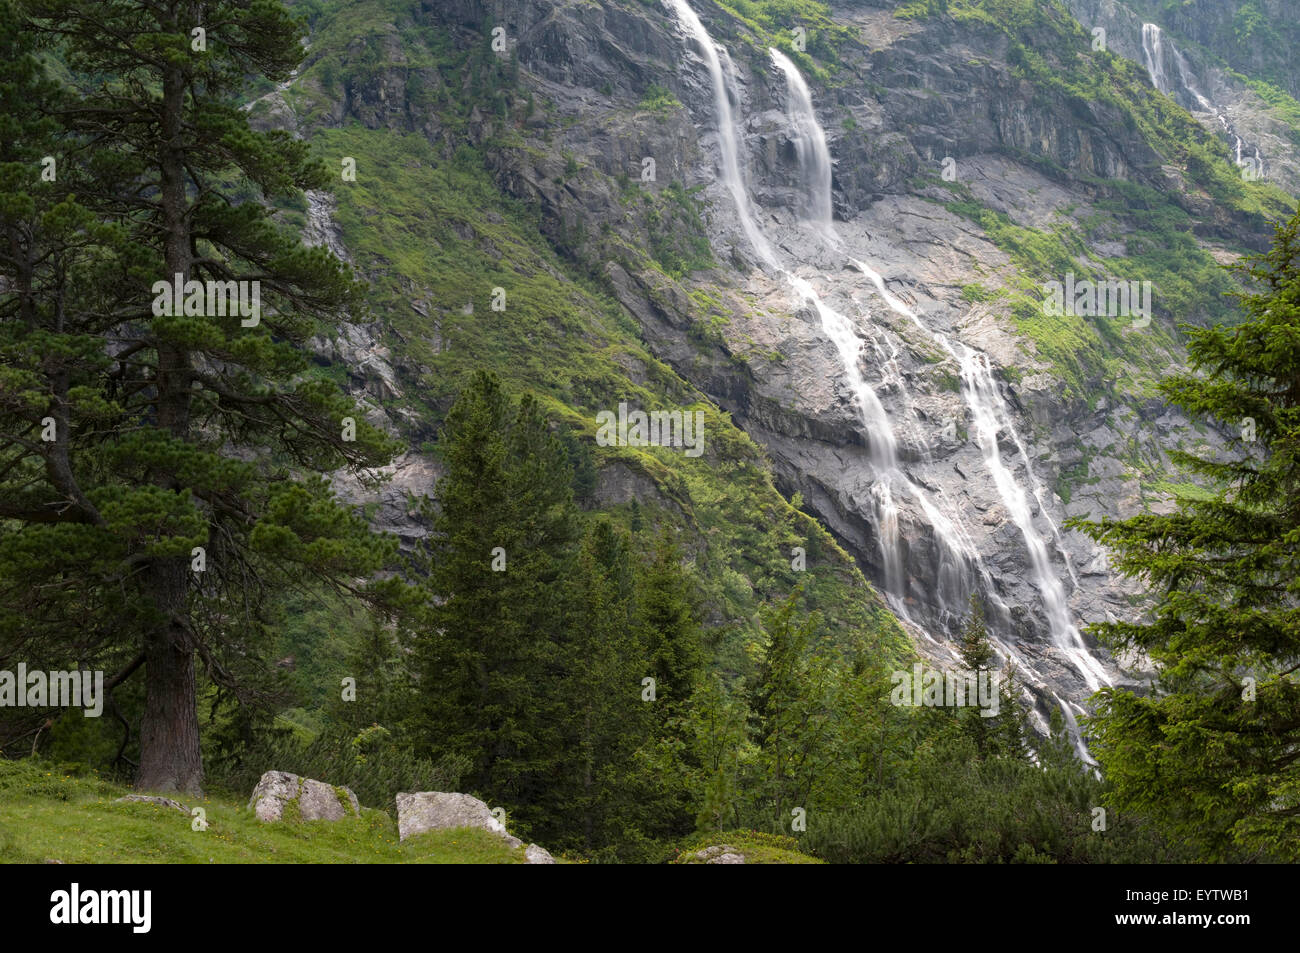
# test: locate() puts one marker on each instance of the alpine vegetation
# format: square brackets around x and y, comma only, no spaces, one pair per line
[1108,298]
[658,430]
[655,428]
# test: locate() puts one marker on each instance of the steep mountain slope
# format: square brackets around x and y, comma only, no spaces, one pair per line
[1231,64]
[656,217]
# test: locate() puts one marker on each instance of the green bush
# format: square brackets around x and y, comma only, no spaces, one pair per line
[370,763]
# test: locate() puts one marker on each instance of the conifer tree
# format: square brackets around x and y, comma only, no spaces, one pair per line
[790,712]
[157,452]
[504,529]
[1213,753]
[607,719]
[670,628]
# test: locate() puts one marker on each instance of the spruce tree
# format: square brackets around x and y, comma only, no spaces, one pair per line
[1212,752]
[791,718]
[668,625]
[503,532]
[607,720]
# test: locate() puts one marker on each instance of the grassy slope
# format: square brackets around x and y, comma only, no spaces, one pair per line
[49,814]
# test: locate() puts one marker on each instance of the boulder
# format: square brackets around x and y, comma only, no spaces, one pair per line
[721,854]
[538,855]
[437,810]
[316,800]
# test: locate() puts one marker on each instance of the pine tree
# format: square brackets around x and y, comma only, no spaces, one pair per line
[670,627]
[976,655]
[975,651]
[669,631]
[720,747]
[141,530]
[1011,727]
[1212,753]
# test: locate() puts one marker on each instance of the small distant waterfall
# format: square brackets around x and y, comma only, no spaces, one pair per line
[1155,51]
[1184,74]
[1153,56]
[321,228]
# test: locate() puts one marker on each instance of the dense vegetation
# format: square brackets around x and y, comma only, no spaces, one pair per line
[631,681]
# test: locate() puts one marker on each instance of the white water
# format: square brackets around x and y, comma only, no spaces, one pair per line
[809,144]
[959,561]
[321,228]
[728,138]
[1153,56]
[985,403]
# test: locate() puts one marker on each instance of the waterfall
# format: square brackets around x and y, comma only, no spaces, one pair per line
[1153,56]
[728,139]
[959,563]
[809,143]
[985,403]
[321,228]
[882,446]
[881,443]
[1206,106]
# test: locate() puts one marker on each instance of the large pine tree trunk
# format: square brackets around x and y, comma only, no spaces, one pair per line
[170,759]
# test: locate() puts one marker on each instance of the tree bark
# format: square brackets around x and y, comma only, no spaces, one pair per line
[170,758]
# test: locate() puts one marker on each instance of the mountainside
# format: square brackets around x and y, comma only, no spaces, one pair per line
[697,431]
[973,155]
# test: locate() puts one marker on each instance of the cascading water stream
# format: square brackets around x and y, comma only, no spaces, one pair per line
[882,447]
[959,561]
[728,139]
[1153,56]
[809,144]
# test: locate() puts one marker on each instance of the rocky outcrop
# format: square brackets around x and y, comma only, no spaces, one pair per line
[538,855]
[719,854]
[311,800]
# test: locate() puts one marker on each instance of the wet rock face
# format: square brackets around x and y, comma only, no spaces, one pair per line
[936,95]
